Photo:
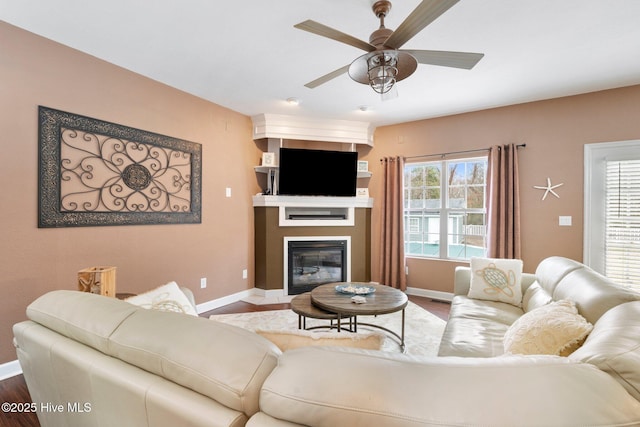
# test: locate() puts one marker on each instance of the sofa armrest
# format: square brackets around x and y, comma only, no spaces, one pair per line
[462,280]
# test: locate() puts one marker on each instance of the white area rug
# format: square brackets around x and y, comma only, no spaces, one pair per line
[423,330]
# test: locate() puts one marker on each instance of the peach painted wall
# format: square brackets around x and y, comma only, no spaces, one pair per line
[35,71]
[555,132]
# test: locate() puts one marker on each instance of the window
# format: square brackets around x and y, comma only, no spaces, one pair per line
[622,222]
[444,208]
[612,211]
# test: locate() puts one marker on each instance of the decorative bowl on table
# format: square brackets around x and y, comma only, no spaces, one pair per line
[353,289]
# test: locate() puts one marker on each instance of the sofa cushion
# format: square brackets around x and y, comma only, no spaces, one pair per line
[593,293]
[167,297]
[351,387]
[476,327]
[59,369]
[535,296]
[554,329]
[188,350]
[74,315]
[552,270]
[496,280]
[194,352]
[614,346]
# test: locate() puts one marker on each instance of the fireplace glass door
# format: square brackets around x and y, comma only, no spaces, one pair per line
[313,263]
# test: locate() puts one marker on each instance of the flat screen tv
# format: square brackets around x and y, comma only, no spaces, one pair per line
[317,172]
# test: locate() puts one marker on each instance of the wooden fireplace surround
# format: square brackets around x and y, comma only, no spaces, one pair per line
[269,236]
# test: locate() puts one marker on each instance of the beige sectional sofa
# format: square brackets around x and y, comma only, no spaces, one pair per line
[138,367]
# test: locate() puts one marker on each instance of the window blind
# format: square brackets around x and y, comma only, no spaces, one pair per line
[622,222]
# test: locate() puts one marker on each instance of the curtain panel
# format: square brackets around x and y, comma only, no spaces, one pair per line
[392,263]
[503,203]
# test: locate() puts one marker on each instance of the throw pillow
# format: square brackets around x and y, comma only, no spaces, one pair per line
[167,297]
[555,329]
[496,279]
[287,340]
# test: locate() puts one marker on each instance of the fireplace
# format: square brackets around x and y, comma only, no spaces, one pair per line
[311,262]
[275,228]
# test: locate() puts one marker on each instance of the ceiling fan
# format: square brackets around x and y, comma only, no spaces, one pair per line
[384,64]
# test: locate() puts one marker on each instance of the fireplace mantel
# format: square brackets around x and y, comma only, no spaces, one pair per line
[311,201]
[300,211]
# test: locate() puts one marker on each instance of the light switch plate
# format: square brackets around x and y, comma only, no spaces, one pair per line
[564,221]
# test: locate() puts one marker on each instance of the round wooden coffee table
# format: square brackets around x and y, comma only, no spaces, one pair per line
[301,305]
[384,300]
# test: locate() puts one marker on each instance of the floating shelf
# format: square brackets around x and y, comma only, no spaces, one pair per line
[265,169]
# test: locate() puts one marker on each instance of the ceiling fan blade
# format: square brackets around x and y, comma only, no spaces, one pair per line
[423,15]
[332,75]
[466,60]
[323,30]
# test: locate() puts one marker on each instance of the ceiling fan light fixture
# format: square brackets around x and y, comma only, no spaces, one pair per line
[382,71]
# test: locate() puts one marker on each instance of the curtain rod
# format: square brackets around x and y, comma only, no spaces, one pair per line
[457,152]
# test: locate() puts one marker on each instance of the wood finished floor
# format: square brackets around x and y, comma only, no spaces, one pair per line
[438,308]
[14,389]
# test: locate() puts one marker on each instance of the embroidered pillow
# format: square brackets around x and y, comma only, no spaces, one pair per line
[496,279]
[555,329]
[168,297]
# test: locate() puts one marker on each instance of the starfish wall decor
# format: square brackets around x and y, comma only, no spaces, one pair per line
[548,189]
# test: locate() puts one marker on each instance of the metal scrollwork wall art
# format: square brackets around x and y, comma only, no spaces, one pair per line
[94,172]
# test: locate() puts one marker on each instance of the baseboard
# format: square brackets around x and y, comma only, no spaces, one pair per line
[10,369]
[273,296]
[219,302]
[427,293]
[255,296]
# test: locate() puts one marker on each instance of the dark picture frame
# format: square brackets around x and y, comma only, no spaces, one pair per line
[97,173]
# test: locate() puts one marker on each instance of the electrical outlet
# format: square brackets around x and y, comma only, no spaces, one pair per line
[244,273]
[203,282]
[228,192]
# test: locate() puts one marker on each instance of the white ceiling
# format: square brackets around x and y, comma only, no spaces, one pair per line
[246,55]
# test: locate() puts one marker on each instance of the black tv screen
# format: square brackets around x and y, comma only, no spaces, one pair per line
[317,172]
